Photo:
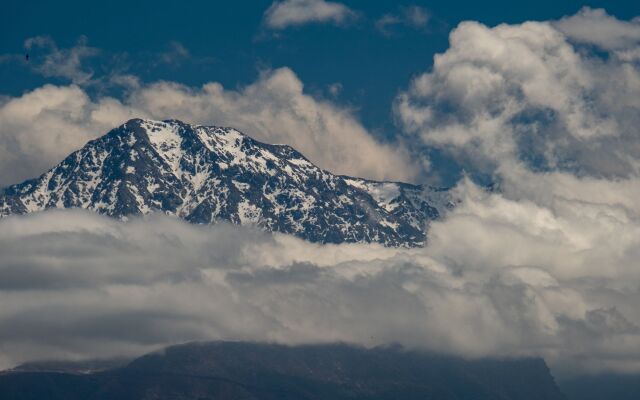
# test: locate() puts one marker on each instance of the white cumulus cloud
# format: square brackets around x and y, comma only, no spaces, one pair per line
[524,93]
[596,27]
[282,14]
[41,127]
[64,63]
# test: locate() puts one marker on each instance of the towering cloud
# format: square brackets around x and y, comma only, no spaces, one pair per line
[526,94]
[555,122]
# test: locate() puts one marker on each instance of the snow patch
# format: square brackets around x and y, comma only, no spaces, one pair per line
[248,213]
[166,140]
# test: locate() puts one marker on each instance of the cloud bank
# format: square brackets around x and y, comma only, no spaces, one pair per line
[64,63]
[499,278]
[41,127]
[283,14]
[554,121]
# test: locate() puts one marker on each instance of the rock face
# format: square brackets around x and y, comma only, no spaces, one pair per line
[206,174]
[235,370]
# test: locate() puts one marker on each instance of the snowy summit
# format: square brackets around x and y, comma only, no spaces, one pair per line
[206,174]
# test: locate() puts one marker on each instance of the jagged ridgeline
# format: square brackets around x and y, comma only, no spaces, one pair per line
[206,174]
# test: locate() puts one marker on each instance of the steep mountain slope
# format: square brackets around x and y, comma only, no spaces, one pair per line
[207,174]
[236,370]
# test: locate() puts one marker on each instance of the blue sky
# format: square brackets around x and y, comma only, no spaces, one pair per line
[359,63]
[228,42]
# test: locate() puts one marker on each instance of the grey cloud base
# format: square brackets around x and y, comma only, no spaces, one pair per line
[76,285]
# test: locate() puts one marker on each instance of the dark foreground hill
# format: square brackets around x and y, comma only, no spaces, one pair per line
[232,370]
[605,386]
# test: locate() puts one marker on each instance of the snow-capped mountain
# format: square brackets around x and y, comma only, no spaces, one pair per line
[206,174]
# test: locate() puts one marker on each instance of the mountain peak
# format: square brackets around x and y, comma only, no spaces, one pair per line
[206,174]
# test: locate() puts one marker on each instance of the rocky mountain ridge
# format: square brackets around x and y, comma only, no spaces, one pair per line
[206,174]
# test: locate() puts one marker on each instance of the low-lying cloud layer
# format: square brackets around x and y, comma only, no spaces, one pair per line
[498,278]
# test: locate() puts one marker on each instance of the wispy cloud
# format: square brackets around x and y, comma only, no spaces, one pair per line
[335,89]
[595,26]
[51,61]
[283,14]
[411,16]
[175,54]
